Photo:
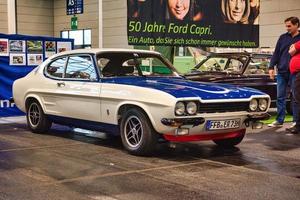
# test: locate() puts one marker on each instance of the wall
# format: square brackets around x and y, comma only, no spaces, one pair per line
[273,14]
[35,17]
[115,23]
[87,20]
[48,17]
[3,16]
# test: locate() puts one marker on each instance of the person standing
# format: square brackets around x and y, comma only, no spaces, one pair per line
[281,59]
[294,51]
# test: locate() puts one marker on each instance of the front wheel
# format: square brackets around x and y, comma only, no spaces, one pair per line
[37,121]
[138,135]
[231,142]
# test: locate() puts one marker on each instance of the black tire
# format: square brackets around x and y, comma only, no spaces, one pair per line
[144,139]
[229,143]
[37,121]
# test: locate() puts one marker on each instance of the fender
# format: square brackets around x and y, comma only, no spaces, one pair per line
[38,98]
[138,104]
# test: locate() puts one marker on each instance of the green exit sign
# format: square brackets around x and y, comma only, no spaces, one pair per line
[74,23]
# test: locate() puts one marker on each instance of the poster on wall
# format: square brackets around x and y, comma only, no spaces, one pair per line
[63,46]
[34,59]
[4,47]
[50,48]
[17,46]
[17,59]
[210,23]
[34,46]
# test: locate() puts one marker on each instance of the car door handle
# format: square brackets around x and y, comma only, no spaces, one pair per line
[61,84]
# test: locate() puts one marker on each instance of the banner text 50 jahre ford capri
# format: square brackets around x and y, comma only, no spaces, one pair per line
[211,23]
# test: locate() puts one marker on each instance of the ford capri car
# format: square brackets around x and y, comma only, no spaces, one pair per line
[138,95]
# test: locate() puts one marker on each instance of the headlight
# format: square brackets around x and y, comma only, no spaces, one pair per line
[180,108]
[253,105]
[263,104]
[191,108]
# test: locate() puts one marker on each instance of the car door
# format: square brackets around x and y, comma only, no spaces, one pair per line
[79,92]
[52,86]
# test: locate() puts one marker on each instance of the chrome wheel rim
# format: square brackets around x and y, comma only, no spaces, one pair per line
[34,115]
[133,131]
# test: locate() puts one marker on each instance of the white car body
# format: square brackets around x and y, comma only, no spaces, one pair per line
[97,104]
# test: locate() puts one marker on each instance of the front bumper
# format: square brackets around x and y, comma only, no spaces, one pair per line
[206,136]
[256,118]
[178,122]
[195,129]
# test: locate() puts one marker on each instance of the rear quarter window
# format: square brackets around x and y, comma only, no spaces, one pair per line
[56,68]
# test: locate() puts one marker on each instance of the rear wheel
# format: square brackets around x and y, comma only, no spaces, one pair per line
[37,121]
[137,133]
[230,142]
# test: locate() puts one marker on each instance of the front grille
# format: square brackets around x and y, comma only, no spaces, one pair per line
[223,107]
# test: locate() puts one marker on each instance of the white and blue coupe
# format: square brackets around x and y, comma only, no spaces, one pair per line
[135,94]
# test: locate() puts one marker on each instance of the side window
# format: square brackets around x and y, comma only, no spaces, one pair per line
[214,64]
[102,63]
[234,65]
[258,67]
[81,67]
[56,68]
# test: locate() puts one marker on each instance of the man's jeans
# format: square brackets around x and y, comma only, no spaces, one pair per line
[295,104]
[297,95]
[283,81]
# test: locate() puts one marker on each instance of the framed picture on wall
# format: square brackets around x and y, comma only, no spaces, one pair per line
[34,59]
[34,46]
[4,47]
[17,59]
[50,48]
[17,46]
[64,46]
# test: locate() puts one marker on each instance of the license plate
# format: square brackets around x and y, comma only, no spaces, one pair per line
[222,124]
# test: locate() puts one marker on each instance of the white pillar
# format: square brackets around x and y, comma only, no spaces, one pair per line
[11,16]
[100,24]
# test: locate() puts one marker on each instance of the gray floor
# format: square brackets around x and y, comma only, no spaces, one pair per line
[64,165]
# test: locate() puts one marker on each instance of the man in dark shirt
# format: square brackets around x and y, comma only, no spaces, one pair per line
[281,59]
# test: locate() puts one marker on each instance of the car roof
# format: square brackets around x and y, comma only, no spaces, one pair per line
[103,50]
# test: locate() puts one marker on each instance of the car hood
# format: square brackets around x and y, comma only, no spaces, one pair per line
[182,88]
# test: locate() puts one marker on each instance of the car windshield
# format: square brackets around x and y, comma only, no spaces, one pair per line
[134,64]
[222,64]
[258,66]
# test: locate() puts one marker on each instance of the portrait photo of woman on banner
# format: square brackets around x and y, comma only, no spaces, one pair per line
[235,11]
[240,11]
[254,11]
[181,10]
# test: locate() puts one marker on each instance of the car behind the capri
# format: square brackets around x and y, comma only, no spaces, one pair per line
[138,95]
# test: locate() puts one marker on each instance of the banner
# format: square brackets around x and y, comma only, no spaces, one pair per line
[19,54]
[206,23]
